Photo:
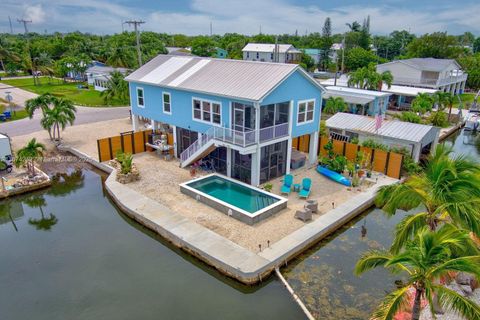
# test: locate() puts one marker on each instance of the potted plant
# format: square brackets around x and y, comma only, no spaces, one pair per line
[268,187]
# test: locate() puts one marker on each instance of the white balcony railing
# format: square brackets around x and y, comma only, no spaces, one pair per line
[235,137]
[430,82]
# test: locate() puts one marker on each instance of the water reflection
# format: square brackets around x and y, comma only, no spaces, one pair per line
[45,222]
[10,211]
[65,183]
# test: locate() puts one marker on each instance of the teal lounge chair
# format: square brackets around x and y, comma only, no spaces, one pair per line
[287,184]
[306,186]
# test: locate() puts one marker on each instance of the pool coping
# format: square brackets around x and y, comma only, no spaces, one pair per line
[245,216]
[223,254]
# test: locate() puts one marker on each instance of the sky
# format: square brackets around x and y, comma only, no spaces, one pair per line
[193,17]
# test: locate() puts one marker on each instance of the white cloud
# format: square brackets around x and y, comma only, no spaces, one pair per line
[275,16]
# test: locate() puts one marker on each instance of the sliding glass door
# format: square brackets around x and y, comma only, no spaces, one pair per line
[273,161]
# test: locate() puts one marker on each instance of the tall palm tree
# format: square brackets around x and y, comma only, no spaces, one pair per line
[425,260]
[385,77]
[29,154]
[442,99]
[334,105]
[422,103]
[354,26]
[117,87]
[62,114]
[448,190]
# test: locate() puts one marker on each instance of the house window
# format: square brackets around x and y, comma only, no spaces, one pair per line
[258,55]
[140,97]
[248,55]
[167,107]
[207,111]
[271,56]
[306,110]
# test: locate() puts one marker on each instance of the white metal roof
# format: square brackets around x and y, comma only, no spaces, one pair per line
[268,47]
[348,98]
[248,80]
[360,92]
[425,64]
[394,129]
[394,89]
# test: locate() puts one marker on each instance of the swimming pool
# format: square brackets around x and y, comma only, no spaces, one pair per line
[234,198]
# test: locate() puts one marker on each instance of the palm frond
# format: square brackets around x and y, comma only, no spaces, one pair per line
[449,299]
[391,304]
[371,260]
[407,228]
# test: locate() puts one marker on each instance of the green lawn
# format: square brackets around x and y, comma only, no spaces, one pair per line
[85,97]
[467,99]
[19,114]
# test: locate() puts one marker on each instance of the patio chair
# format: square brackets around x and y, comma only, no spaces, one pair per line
[306,187]
[287,184]
[304,214]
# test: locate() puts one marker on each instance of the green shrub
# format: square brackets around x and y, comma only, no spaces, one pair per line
[126,161]
[438,119]
[268,187]
[408,165]
[370,143]
[354,140]
[409,116]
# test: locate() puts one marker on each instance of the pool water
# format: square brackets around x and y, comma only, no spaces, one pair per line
[233,193]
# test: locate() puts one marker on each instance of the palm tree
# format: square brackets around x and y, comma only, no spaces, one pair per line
[334,105]
[429,257]
[43,223]
[448,190]
[354,26]
[116,87]
[29,154]
[422,103]
[41,102]
[441,99]
[62,114]
[385,77]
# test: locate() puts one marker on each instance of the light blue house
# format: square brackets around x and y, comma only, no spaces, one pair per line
[220,53]
[242,115]
[360,101]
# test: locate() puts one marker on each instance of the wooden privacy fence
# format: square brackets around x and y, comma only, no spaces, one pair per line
[128,142]
[389,163]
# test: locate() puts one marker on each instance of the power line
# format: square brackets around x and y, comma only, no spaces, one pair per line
[136,23]
[24,23]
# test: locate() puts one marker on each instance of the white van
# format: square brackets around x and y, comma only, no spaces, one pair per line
[5,153]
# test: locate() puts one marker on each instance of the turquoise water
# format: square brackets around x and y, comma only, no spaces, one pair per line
[233,193]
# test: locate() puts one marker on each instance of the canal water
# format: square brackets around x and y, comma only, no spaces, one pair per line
[68,253]
[323,276]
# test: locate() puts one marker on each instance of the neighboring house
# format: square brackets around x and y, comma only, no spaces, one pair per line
[315,54]
[418,139]
[359,101]
[334,51]
[98,75]
[400,98]
[268,52]
[179,51]
[220,53]
[242,115]
[439,74]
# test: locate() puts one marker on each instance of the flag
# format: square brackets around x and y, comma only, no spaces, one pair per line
[378,121]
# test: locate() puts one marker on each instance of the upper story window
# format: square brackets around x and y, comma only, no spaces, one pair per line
[140,97]
[207,111]
[167,106]
[306,110]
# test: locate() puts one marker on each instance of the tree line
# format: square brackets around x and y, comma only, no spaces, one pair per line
[50,53]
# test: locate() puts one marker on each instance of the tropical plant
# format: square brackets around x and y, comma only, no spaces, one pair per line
[427,258]
[438,119]
[422,103]
[126,162]
[334,105]
[448,191]
[29,154]
[370,143]
[409,116]
[369,78]
[117,87]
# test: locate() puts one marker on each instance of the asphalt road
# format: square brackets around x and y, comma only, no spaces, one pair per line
[26,126]
[84,115]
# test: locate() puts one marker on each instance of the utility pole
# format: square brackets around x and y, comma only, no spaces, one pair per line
[136,23]
[343,53]
[211,29]
[10,22]
[24,23]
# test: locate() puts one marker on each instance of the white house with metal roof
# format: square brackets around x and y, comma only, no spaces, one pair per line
[269,52]
[360,101]
[417,138]
[439,74]
[99,74]
[241,116]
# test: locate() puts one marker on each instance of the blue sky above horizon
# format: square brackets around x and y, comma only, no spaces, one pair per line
[193,17]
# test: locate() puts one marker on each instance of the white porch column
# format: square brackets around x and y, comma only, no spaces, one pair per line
[312,155]
[452,90]
[289,154]
[229,162]
[417,148]
[463,85]
[255,177]
[175,148]
[135,123]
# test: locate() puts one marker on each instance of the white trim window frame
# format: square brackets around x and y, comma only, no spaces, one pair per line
[165,103]
[207,111]
[142,97]
[305,111]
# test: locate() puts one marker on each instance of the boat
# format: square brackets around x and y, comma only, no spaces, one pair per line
[472,120]
[335,176]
